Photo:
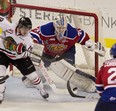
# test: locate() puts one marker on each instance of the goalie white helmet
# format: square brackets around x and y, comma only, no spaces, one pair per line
[60,25]
[113,51]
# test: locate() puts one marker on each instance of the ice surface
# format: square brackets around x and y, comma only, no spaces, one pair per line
[20,98]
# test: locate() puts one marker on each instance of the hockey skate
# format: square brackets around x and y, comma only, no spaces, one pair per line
[28,84]
[44,94]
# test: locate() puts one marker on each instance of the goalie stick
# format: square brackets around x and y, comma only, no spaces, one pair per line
[93,96]
[71,92]
[85,75]
[76,75]
[37,54]
[77,70]
[58,91]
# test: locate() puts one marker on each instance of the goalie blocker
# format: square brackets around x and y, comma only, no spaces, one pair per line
[96,47]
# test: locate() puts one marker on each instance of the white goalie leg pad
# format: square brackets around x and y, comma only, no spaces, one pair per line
[83,83]
[67,72]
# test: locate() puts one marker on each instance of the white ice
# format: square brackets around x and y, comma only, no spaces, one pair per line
[20,98]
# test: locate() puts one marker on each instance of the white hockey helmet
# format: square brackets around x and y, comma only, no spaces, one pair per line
[60,25]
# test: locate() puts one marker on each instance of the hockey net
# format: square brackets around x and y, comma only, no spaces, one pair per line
[86,20]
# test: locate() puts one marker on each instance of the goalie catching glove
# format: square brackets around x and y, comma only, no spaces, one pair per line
[97,47]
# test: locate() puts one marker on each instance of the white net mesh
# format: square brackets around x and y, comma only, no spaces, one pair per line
[84,58]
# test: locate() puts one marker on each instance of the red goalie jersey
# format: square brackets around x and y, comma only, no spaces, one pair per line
[45,35]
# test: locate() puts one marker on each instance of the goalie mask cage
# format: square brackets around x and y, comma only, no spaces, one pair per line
[88,21]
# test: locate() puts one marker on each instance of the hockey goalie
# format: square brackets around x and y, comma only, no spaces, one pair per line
[58,39]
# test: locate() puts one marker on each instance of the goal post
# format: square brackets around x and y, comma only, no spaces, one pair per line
[41,15]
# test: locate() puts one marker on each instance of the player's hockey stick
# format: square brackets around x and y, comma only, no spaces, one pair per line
[45,74]
[59,91]
[57,59]
[77,71]
[4,78]
[48,78]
